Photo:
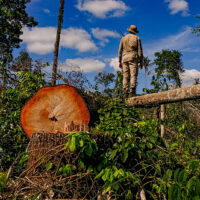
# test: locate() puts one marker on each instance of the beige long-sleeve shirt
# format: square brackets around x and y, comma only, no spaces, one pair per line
[132,47]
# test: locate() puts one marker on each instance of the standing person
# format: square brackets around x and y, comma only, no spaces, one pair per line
[131,45]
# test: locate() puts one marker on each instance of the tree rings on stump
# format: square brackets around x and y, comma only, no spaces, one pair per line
[58,109]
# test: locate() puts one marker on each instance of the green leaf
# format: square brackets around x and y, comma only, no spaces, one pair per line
[129,195]
[81,164]
[116,186]
[90,169]
[81,143]
[72,144]
[113,153]
[174,192]
[99,175]
[49,166]
[73,167]
[167,175]
[67,169]
[116,173]
[89,150]
[23,159]
[176,174]
[108,189]
[60,171]
[125,155]
[3,180]
[106,175]
[182,177]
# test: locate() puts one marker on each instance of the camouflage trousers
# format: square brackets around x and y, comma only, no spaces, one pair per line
[130,72]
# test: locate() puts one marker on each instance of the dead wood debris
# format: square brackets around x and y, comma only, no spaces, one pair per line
[49,184]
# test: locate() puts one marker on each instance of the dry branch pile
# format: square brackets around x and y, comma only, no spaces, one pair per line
[50,184]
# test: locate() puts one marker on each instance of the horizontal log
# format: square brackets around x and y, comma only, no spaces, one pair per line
[170,96]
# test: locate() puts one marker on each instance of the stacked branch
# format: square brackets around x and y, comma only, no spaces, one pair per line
[47,154]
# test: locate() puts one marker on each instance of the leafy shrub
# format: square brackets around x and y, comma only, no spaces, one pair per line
[139,158]
[13,139]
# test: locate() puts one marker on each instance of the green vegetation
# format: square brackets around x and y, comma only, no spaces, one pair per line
[13,18]
[168,68]
[13,140]
[138,159]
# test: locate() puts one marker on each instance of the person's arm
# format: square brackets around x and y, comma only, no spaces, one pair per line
[120,53]
[140,53]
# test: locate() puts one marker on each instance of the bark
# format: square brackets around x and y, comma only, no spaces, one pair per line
[59,26]
[142,195]
[162,118]
[4,81]
[42,143]
[180,94]
[156,113]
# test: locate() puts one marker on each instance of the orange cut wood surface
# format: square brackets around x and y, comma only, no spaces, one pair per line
[53,109]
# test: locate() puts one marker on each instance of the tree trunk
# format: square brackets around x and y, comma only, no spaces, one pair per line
[180,94]
[4,81]
[55,61]
[162,118]
[58,109]
[142,195]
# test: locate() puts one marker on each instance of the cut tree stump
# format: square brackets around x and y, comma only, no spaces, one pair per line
[58,109]
[42,144]
[47,154]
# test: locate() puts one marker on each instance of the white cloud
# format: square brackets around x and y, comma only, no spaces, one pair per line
[83,64]
[183,41]
[103,8]
[75,38]
[46,10]
[192,50]
[103,34]
[188,77]
[178,6]
[40,40]
[114,63]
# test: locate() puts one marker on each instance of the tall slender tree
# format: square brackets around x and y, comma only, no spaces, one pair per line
[13,17]
[57,43]
[146,63]
[22,62]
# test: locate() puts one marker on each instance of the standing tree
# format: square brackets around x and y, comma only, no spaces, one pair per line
[169,67]
[22,62]
[103,81]
[13,17]
[146,63]
[59,26]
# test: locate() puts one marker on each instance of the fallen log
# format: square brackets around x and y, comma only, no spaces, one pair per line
[170,96]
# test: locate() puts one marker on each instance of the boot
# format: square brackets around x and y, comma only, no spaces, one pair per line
[132,93]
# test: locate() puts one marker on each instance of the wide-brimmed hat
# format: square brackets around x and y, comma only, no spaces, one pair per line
[133,29]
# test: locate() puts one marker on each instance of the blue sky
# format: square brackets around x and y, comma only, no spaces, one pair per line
[91,33]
